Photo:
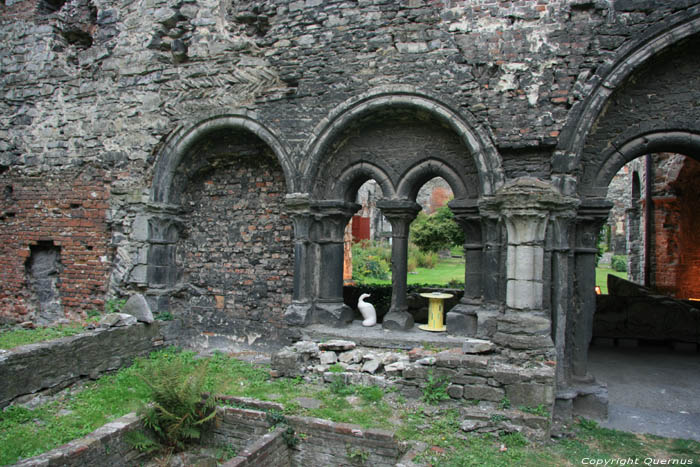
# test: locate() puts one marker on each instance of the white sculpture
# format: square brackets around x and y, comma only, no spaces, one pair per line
[368,312]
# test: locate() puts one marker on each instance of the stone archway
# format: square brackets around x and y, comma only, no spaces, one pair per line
[218,236]
[400,138]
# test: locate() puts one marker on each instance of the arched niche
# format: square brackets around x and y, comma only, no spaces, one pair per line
[220,241]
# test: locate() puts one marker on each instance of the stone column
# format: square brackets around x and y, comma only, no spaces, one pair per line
[330,219]
[462,319]
[591,216]
[526,205]
[561,290]
[300,311]
[400,213]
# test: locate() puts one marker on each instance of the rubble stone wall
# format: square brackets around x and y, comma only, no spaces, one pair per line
[109,86]
[53,365]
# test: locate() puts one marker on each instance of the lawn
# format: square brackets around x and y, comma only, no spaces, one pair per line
[26,432]
[447,270]
[601,278]
[10,339]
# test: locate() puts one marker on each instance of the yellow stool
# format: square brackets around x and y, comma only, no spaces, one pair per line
[435,311]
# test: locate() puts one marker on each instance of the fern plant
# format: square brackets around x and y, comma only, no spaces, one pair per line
[177,413]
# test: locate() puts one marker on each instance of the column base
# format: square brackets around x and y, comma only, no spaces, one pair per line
[336,314]
[462,320]
[397,321]
[298,314]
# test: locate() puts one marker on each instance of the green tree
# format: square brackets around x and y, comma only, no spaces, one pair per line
[437,231]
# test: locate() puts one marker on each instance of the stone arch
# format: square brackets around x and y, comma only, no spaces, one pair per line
[414,178]
[567,157]
[353,177]
[475,139]
[183,140]
[681,142]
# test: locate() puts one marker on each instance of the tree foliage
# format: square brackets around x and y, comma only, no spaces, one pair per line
[437,231]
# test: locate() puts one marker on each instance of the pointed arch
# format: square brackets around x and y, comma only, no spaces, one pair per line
[413,180]
[353,177]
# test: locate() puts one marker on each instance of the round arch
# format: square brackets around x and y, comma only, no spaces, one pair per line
[681,142]
[183,139]
[567,155]
[479,145]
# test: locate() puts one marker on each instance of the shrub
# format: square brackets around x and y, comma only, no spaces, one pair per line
[370,260]
[619,263]
[437,231]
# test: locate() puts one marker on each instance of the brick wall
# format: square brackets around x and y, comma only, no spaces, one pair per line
[67,211]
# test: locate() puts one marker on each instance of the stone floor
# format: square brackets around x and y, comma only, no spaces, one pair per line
[651,389]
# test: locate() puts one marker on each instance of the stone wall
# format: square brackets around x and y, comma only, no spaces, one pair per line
[54,365]
[320,442]
[235,250]
[473,375]
[105,446]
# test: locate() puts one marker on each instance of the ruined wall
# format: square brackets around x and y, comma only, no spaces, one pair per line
[236,248]
[103,84]
[676,259]
[55,255]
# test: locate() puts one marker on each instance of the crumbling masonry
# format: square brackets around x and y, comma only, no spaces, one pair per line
[207,153]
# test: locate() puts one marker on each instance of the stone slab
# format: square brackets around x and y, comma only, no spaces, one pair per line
[379,338]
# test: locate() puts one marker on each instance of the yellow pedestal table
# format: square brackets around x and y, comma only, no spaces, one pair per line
[435,311]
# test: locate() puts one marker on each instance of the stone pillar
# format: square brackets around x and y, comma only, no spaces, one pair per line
[462,319]
[330,219]
[400,213]
[561,286]
[591,216]
[300,311]
[526,206]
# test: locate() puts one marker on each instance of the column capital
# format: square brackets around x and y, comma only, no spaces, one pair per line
[331,218]
[400,214]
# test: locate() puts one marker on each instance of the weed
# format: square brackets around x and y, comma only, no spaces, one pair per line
[114,305]
[370,393]
[357,455]
[339,387]
[496,418]
[141,441]
[164,316]
[225,453]
[504,404]
[540,410]
[435,390]
[336,368]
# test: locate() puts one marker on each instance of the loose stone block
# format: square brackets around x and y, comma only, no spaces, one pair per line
[328,357]
[483,393]
[477,346]
[455,391]
[337,345]
[530,395]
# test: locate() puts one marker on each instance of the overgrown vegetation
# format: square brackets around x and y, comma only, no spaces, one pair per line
[619,263]
[175,411]
[435,390]
[11,338]
[26,432]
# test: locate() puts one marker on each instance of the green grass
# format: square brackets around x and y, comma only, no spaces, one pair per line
[447,270]
[25,432]
[10,339]
[601,278]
